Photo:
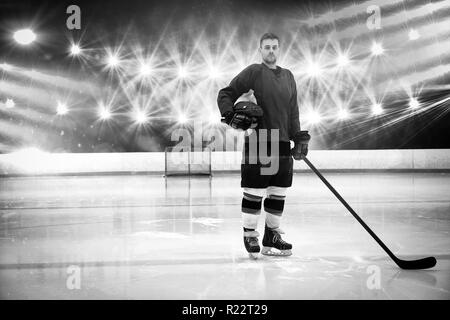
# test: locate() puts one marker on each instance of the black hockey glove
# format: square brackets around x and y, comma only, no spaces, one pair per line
[245,115]
[237,120]
[300,149]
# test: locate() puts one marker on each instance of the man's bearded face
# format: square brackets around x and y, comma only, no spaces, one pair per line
[269,50]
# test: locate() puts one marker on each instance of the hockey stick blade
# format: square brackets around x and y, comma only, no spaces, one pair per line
[424,263]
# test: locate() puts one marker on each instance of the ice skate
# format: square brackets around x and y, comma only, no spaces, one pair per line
[251,243]
[273,245]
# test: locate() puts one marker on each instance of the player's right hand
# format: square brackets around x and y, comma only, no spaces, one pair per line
[238,120]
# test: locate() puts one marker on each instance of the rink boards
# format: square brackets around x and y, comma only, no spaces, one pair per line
[38,163]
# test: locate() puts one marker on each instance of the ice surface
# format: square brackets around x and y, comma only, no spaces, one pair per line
[146,237]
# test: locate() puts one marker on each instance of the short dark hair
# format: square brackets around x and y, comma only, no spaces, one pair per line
[268,35]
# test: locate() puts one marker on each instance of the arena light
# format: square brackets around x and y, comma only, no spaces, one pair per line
[313,117]
[342,60]
[113,61]
[314,69]
[343,114]
[214,73]
[104,113]
[377,49]
[413,35]
[182,118]
[61,109]
[75,50]
[24,36]
[414,103]
[145,70]
[10,103]
[182,72]
[141,117]
[377,109]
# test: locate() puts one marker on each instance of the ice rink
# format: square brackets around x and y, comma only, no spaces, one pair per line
[147,237]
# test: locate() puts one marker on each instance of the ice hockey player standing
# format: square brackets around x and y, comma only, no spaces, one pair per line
[275,115]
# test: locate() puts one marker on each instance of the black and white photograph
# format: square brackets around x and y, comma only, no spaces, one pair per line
[249,151]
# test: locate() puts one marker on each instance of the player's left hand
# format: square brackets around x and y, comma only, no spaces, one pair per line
[300,149]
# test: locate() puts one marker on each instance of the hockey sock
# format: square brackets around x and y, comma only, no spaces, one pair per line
[251,209]
[274,206]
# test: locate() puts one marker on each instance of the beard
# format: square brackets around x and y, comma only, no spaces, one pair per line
[270,59]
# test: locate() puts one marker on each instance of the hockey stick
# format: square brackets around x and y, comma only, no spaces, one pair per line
[424,263]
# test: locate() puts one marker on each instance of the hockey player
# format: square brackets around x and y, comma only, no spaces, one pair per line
[275,91]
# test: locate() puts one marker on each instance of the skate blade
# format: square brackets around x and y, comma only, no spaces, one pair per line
[275,252]
[253,255]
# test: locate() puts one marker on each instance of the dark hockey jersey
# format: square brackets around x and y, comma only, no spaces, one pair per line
[275,92]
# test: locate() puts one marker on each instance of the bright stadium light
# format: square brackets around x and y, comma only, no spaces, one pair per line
[61,109]
[182,118]
[314,70]
[414,103]
[75,50]
[413,35]
[343,114]
[377,109]
[141,117]
[10,103]
[24,36]
[145,70]
[377,49]
[182,72]
[342,60]
[104,113]
[313,117]
[113,61]
[213,72]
